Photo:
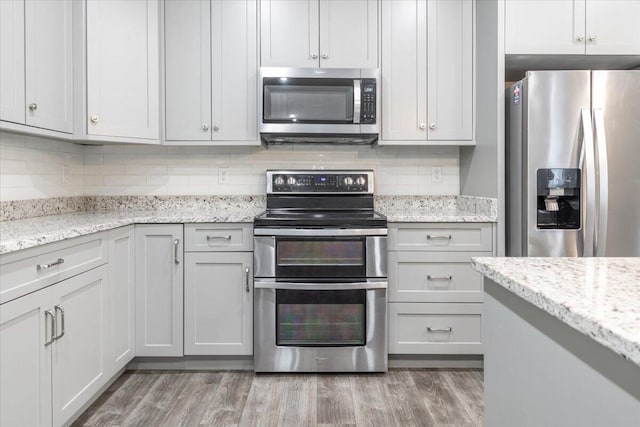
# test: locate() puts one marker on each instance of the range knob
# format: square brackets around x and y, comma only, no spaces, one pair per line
[360,180]
[279,180]
[291,180]
[348,180]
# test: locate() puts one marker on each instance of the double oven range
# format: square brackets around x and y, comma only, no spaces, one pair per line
[320,267]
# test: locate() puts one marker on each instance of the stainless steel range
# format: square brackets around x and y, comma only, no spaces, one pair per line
[320,265]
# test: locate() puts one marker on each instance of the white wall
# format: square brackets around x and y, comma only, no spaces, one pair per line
[39,168]
[32,168]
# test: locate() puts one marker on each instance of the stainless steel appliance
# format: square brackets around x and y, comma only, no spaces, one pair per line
[319,105]
[320,267]
[573,168]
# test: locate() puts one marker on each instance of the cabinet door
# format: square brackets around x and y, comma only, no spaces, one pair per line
[121,299]
[348,33]
[159,287]
[404,70]
[49,77]
[122,68]
[218,303]
[12,98]
[612,27]
[79,351]
[25,361]
[234,63]
[187,32]
[545,27]
[450,70]
[289,33]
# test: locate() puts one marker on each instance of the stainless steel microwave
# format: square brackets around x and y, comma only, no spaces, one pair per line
[338,105]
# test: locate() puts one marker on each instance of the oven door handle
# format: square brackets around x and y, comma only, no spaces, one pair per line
[319,232]
[311,286]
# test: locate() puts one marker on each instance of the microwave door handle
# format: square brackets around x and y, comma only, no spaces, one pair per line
[357,101]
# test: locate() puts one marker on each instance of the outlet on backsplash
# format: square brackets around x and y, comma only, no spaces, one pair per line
[65,174]
[223,176]
[436,174]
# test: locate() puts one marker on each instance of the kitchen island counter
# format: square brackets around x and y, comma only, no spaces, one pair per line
[562,340]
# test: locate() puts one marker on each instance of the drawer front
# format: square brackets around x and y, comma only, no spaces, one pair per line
[218,237]
[20,275]
[434,277]
[422,328]
[471,237]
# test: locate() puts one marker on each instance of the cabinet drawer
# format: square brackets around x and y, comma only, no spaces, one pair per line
[433,277]
[441,237]
[20,274]
[218,237]
[424,328]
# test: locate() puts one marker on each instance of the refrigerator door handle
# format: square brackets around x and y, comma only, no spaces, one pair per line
[603,183]
[587,164]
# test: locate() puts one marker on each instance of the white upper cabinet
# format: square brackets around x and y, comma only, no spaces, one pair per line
[36,75]
[319,33]
[122,68]
[12,78]
[427,71]
[608,27]
[211,71]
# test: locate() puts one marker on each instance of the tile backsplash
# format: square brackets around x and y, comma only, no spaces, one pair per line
[32,168]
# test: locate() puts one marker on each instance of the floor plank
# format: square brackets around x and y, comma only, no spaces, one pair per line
[423,397]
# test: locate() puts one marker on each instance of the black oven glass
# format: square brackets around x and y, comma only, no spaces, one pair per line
[320,318]
[299,100]
[319,257]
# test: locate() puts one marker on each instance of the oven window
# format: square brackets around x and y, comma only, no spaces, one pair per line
[320,252]
[308,101]
[320,318]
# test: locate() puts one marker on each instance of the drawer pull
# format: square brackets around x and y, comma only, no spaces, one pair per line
[430,277]
[430,329]
[227,237]
[45,266]
[443,237]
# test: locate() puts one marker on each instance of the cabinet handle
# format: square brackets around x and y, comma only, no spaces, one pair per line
[324,55]
[581,38]
[94,119]
[423,126]
[53,326]
[430,329]
[216,128]
[61,309]
[593,38]
[176,243]
[430,277]
[45,266]
[33,106]
[432,126]
[246,271]
[445,237]
[314,56]
[205,126]
[227,237]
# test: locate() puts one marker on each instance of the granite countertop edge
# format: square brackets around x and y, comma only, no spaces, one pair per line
[615,340]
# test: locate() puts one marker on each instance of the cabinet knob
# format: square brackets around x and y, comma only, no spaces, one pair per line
[314,56]
[94,119]
[581,38]
[216,128]
[324,55]
[423,126]
[593,38]
[205,126]
[33,106]
[432,126]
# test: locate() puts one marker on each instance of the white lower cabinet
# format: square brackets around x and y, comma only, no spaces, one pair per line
[53,350]
[435,297]
[159,289]
[218,303]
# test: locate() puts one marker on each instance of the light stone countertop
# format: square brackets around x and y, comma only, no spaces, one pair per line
[599,297]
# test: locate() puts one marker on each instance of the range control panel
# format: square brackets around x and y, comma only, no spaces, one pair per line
[358,182]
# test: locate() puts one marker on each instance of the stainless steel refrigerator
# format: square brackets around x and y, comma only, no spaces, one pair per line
[573,164]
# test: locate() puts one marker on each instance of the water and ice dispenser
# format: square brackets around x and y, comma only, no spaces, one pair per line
[558,199]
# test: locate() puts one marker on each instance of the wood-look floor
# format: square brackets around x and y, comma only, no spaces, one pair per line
[425,397]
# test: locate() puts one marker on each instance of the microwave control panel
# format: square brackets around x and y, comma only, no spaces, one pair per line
[368,111]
